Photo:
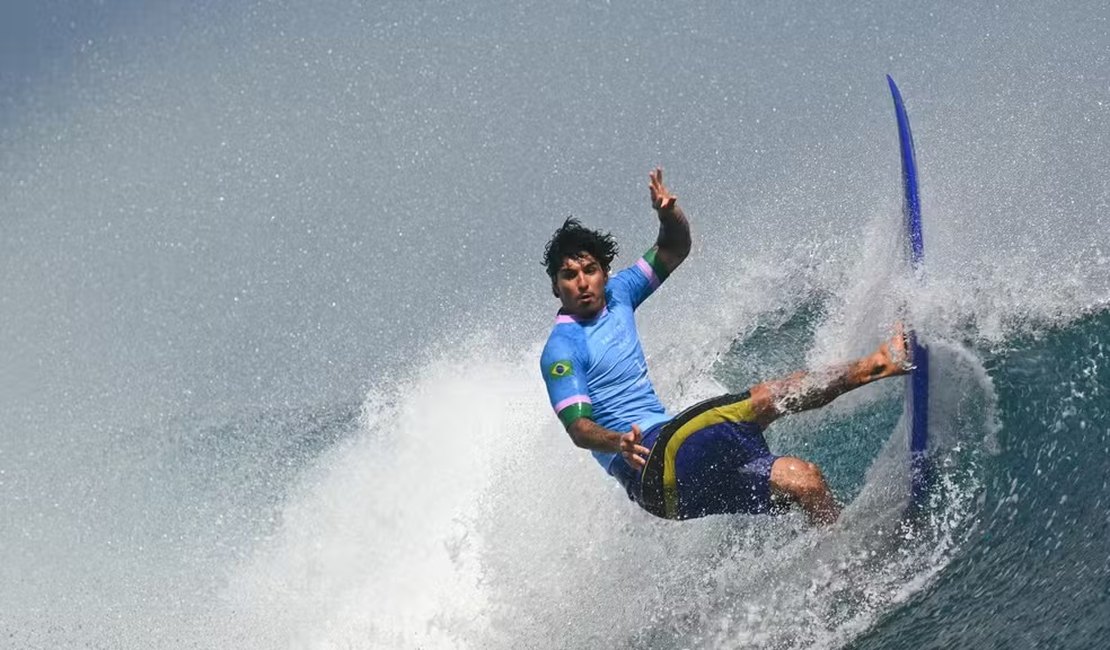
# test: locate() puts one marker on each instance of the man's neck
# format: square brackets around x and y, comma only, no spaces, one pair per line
[583,317]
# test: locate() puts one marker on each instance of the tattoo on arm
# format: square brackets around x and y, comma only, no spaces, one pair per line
[588,434]
[674,239]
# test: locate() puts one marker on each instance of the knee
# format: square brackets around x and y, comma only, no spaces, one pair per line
[797,477]
[810,480]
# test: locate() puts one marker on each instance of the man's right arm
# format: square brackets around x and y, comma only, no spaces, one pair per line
[587,434]
[564,375]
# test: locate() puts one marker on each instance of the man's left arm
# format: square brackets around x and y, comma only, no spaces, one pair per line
[671,247]
[673,244]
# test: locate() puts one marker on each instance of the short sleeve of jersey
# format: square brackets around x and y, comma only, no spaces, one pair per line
[563,364]
[634,284]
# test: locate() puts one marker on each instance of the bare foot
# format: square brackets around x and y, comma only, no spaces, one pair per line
[893,357]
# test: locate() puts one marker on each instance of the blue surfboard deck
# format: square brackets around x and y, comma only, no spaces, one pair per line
[917,382]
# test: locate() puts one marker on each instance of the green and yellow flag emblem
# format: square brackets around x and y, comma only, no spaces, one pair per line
[561,369]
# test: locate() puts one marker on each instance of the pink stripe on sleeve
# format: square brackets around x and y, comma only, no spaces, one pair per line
[572,400]
[648,272]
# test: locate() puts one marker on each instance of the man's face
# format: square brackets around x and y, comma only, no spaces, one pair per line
[580,285]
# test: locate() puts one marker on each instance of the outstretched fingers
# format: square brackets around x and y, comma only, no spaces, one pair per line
[661,198]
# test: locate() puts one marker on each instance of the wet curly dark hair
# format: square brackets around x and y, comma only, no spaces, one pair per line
[573,239]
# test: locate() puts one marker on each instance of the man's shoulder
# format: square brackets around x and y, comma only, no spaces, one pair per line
[632,285]
[565,336]
[622,276]
[620,284]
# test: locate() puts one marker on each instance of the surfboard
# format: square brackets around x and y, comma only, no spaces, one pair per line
[917,381]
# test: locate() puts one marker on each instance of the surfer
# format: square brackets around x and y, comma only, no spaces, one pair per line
[711,458]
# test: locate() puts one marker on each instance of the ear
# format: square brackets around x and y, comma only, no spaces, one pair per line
[554,287]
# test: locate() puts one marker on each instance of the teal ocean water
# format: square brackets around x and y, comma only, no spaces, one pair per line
[1032,572]
[271,308]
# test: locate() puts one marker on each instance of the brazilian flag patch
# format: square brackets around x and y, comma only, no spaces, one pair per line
[561,369]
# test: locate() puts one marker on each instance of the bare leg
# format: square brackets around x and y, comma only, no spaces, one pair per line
[801,482]
[794,478]
[803,391]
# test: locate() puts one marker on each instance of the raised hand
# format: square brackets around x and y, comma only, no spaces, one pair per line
[661,198]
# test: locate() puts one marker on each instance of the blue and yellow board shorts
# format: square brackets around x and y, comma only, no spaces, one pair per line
[710,459]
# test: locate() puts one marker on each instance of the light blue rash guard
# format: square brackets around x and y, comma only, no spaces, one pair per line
[595,368]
